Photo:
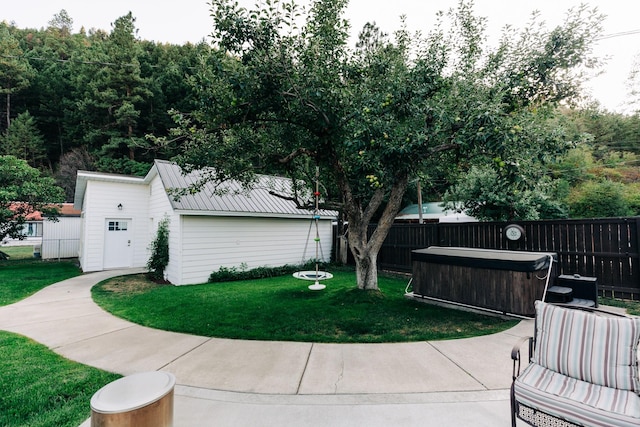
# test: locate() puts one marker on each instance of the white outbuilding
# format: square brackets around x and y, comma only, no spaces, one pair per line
[222,226]
[61,238]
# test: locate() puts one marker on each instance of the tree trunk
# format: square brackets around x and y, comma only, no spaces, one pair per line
[130,135]
[8,109]
[365,249]
[367,271]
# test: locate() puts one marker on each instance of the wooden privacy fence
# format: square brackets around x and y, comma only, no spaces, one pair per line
[604,248]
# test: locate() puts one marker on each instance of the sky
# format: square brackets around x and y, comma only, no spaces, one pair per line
[180,21]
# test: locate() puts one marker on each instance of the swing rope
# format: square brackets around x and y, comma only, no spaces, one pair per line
[309,275]
[316,218]
[306,244]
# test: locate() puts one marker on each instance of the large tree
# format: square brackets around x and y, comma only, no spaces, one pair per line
[633,86]
[110,93]
[23,191]
[15,71]
[281,99]
[24,141]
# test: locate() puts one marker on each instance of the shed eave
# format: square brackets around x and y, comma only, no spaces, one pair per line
[83,177]
[187,212]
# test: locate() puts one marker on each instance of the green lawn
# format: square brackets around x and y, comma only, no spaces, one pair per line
[37,386]
[41,388]
[282,308]
[18,252]
[632,307]
[23,277]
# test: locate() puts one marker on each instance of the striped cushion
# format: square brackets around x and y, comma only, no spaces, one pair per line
[587,347]
[576,401]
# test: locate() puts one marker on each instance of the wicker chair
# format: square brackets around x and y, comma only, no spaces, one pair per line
[582,371]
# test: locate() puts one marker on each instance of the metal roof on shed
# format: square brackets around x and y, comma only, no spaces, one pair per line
[234,199]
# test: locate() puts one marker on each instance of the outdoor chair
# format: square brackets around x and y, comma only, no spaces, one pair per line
[582,371]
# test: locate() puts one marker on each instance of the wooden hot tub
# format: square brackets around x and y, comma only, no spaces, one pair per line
[504,281]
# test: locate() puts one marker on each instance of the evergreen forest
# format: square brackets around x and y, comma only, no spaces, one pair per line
[77,99]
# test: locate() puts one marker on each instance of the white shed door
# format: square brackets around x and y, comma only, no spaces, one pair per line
[118,247]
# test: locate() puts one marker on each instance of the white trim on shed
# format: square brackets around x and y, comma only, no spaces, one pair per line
[107,197]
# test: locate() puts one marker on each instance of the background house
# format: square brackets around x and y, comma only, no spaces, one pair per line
[31,231]
[61,238]
[51,238]
[432,212]
[207,230]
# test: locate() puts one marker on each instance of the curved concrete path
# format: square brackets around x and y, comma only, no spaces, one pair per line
[225,382]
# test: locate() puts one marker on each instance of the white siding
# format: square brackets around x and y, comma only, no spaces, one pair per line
[159,207]
[211,242]
[82,246]
[61,239]
[101,202]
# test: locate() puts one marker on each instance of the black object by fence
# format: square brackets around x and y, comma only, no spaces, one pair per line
[604,248]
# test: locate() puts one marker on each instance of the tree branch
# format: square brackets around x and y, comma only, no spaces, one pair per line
[310,105]
[306,206]
[443,147]
[298,152]
[388,215]
[293,199]
[373,205]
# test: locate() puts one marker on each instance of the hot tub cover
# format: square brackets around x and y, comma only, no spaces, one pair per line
[485,258]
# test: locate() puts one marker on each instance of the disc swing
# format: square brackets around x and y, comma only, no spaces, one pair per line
[315,275]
